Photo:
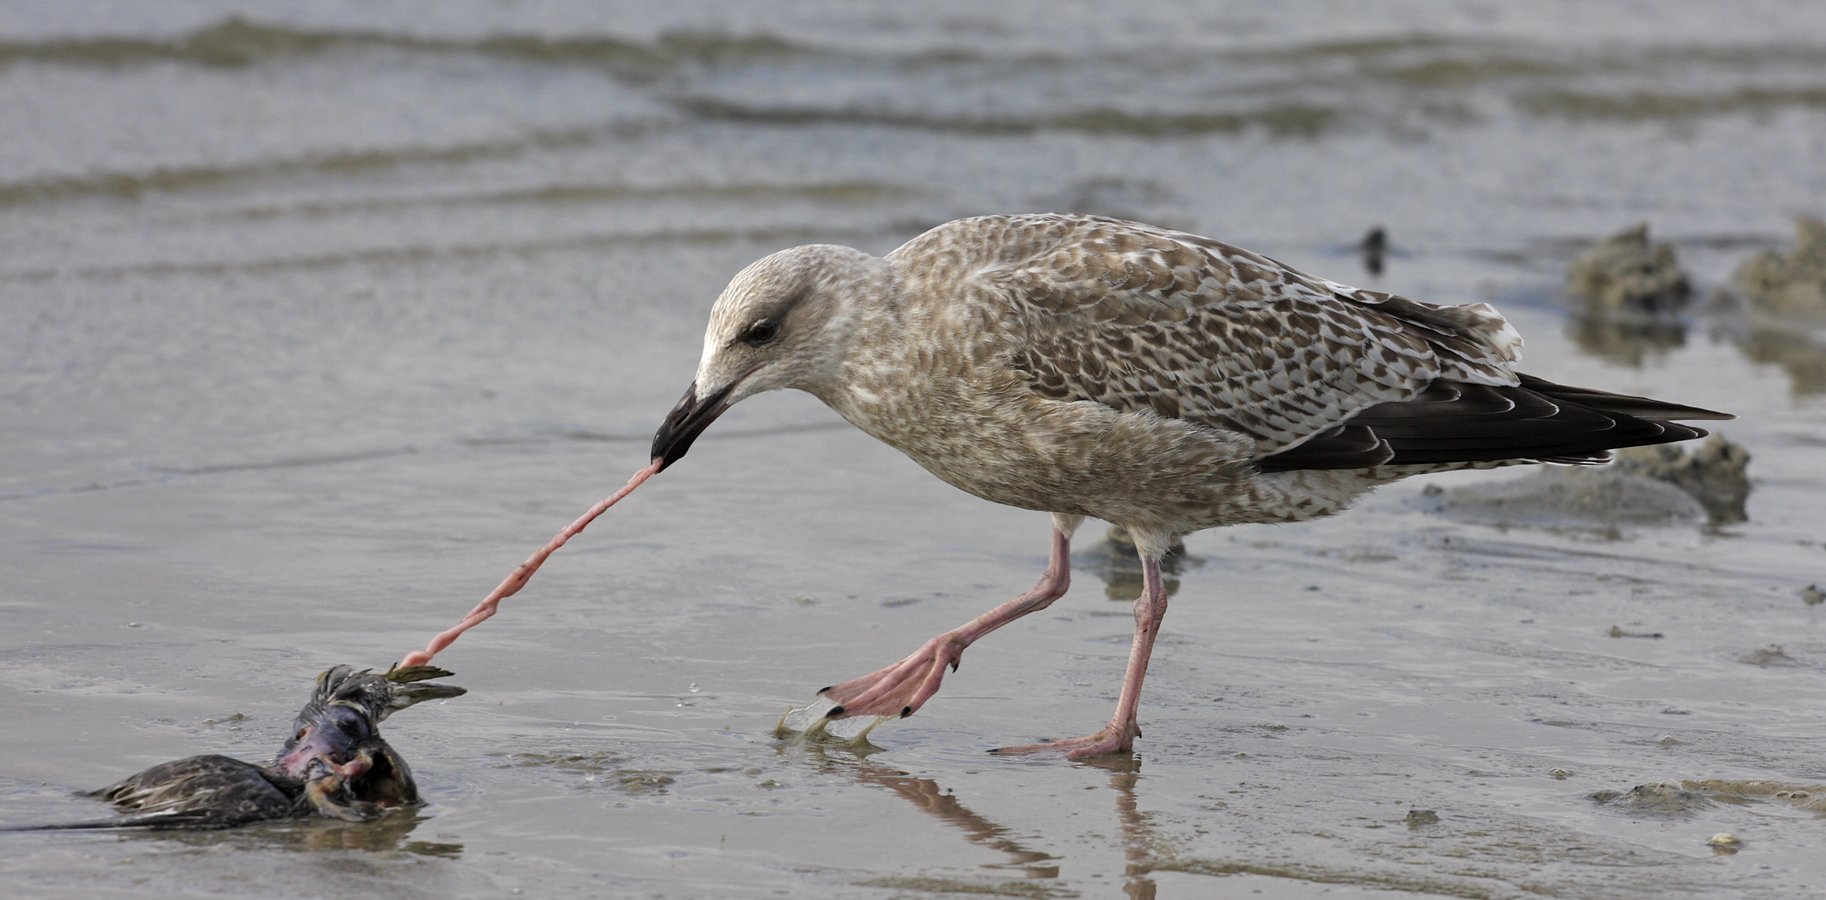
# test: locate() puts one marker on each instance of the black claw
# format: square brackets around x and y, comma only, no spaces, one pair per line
[834,713]
[954,664]
[906,711]
[825,690]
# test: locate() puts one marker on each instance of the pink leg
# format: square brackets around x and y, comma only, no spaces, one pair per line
[1120,734]
[901,689]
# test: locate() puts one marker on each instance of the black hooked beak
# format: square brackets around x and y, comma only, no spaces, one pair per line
[686,421]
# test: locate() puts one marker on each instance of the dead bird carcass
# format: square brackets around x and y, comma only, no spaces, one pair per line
[334,765]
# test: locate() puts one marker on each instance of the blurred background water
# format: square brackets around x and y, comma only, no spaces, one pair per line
[316,318]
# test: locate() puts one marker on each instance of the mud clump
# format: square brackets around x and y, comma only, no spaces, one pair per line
[1628,274]
[1724,843]
[1628,296]
[1716,473]
[1655,485]
[1566,498]
[1788,285]
[1655,799]
[1776,304]
[1809,797]
[1768,657]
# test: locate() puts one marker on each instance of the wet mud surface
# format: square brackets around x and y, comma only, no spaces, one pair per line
[318,319]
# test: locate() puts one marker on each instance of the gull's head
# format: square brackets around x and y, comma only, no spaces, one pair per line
[783,322]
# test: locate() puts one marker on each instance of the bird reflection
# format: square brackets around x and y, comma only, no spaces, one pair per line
[386,835]
[929,797]
[1134,826]
[1116,562]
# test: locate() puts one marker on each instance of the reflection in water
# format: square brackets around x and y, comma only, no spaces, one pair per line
[1800,353]
[1779,302]
[929,797]
[1116,562]
[1134,826]
[1632,339]
[1626,338]
[385,835]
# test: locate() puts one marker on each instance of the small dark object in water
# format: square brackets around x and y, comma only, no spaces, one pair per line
[334,765]
[1375,248]
[1617,632]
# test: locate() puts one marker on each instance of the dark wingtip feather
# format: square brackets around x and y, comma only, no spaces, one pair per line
[1604,401]
[1454,422]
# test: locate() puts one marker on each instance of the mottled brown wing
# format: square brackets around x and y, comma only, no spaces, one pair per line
[1140,318]
[200,792]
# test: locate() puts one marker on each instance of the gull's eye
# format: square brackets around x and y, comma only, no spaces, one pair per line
[761,332]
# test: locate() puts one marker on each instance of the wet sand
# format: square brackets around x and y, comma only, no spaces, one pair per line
[313,332]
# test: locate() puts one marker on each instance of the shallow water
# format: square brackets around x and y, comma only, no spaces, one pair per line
[315,319]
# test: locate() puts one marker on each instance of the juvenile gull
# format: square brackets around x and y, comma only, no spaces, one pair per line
[1157,380]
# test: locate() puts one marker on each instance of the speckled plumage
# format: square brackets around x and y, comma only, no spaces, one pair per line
[1110,369]
[1159,380]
